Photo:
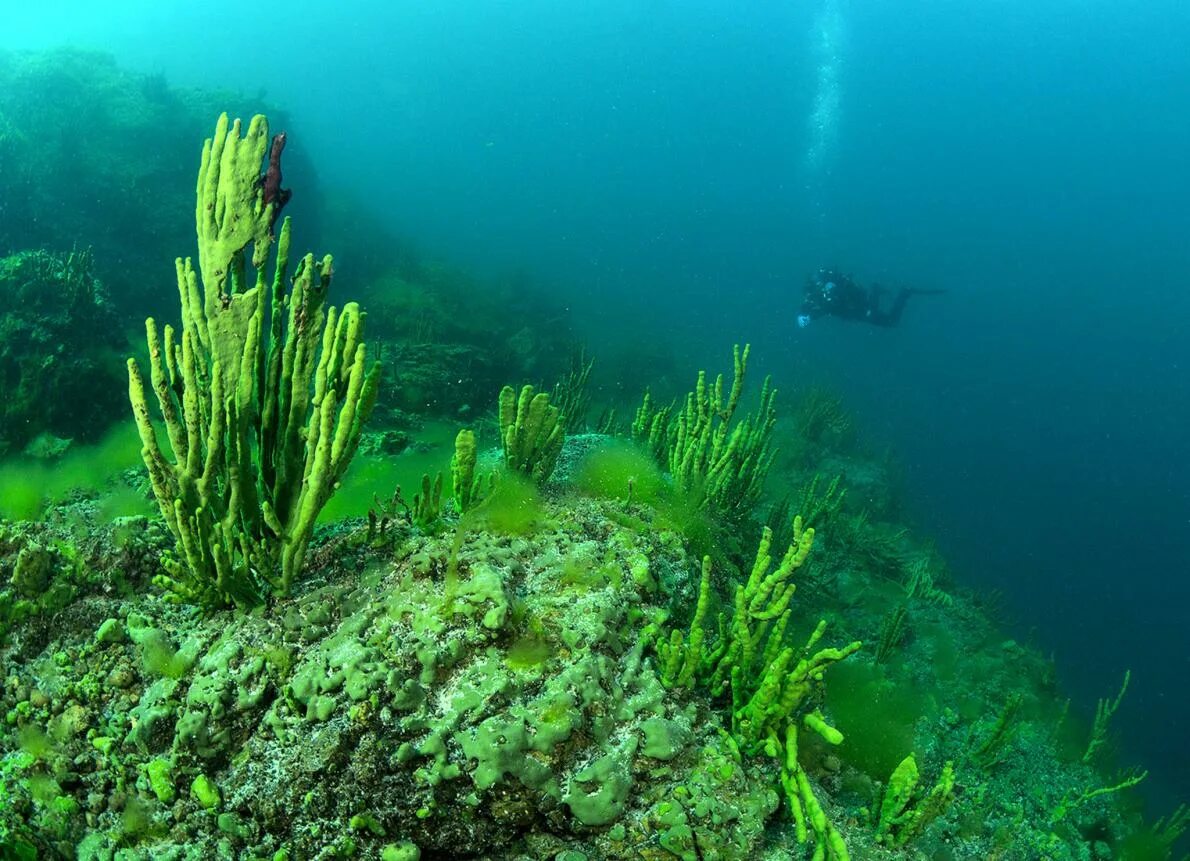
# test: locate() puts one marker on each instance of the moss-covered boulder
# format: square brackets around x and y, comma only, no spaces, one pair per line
[60,346]
[479,694]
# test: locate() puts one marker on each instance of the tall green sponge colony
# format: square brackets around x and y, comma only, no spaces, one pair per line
[773,686]
[263,391]
[465,486]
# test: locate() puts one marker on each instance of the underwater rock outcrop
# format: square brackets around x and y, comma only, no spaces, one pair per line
[94,156]
[438,361]
[59,338]
[476,695]
[492,689]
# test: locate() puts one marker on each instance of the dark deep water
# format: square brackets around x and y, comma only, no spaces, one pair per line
[677,169]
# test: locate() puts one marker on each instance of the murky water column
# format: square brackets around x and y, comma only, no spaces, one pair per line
[827,46]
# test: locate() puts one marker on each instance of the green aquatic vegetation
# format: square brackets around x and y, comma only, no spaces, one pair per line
[527,652]
[33,741]
[946,661]
[263,391]
[123,502]
[683,514]
[374,477]
[425,510]
[619,470]
[586,574]
[1155,842]
[44,789]
[512,508]
[28,486]
[22,491]
[159,658]
[877,714]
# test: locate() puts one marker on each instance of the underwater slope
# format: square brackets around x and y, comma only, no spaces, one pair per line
[563,646]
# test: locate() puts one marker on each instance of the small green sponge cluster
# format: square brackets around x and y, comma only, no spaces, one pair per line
[532,430]
[720,463]
[905,812]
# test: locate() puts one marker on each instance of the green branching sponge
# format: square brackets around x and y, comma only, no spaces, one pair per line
[427,504]
[772,685]
[818,508]
[532,430]
[1104,712]
[650,429]
[720,463]
[263,391]
[682,656]
[905,813]
[571,395]
[464,485]
[807,812]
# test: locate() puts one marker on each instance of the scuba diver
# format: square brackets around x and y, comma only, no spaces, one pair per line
[831,293]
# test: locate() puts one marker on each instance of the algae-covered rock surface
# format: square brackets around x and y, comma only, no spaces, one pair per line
[473,694]
[490,688]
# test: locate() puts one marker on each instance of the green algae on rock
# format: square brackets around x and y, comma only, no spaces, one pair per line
[508,710]
[399,706]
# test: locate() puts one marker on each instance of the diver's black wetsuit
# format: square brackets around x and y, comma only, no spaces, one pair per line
[831,293]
